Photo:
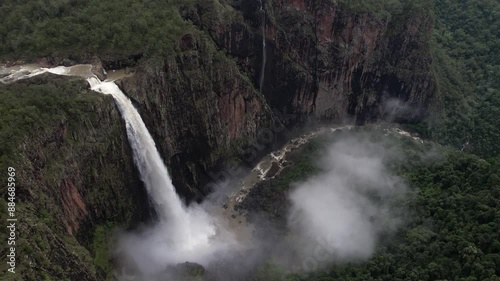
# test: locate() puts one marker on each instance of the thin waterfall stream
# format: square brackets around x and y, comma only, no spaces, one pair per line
[264,54]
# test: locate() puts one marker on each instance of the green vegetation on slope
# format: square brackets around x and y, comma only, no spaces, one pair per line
[35,108]
[101,245]
[69,149]
[467,67]
[469,31]
[33,29]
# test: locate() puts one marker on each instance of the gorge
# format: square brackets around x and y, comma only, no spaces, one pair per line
[181,233]
[206,146]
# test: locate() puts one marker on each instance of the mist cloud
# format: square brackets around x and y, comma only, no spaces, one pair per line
[150,253]
[394,109]
[340,214]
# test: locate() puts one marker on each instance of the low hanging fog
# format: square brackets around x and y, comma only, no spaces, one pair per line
[338,215]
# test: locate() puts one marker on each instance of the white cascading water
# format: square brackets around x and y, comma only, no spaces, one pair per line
[264,55]
[182,233]
[147,159]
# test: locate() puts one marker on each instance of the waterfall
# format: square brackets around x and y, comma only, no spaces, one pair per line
[264,58]
[184,229]
[153,172]
[182,233]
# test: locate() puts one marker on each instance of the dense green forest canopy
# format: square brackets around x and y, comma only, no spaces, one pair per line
[453,232]
[32,29]
[467,67]
[34,108]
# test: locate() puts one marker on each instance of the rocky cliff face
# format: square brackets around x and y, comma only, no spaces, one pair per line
[196,104]
[74,173]
[330,63]
[202,104]
[325,63]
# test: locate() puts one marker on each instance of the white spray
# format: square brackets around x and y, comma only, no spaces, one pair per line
[182,233]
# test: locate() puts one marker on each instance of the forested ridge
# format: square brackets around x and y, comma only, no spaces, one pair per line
[73,28]
[467,66]
[34,29]
[49,126]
